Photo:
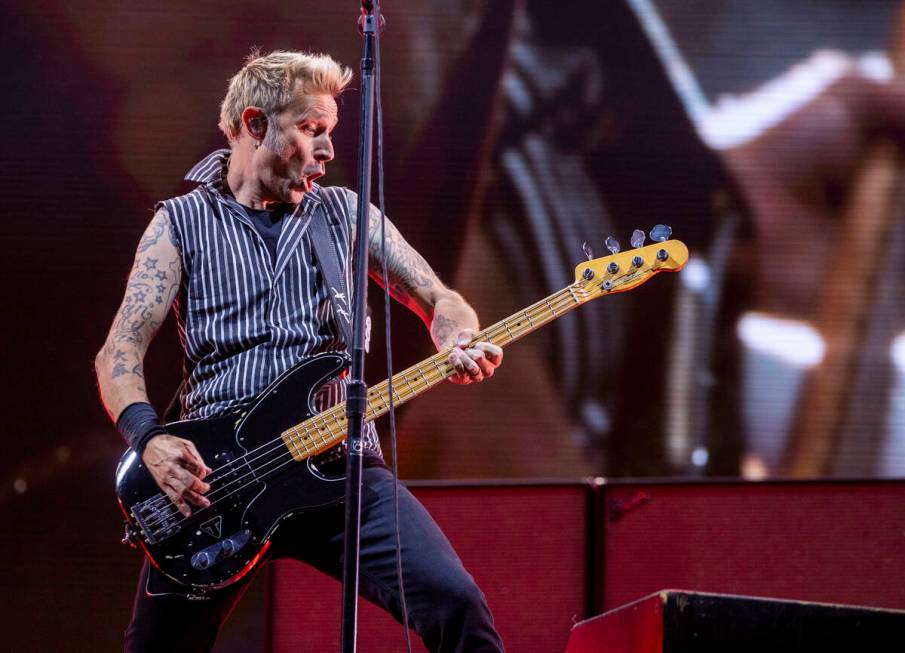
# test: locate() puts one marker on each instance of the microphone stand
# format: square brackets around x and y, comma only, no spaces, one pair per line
[356,391]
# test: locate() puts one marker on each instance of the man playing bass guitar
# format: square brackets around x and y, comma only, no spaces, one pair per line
[236,258]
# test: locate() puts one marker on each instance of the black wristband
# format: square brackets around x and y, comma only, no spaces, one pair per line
[138,423]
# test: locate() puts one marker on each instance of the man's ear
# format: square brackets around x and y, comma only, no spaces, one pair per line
[255,121]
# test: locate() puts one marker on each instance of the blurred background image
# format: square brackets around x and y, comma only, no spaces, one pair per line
[769,135]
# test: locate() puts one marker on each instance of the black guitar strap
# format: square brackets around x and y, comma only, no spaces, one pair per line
[329,256]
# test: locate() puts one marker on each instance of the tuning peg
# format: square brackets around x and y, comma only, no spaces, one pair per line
[587,250]
[613,245]
[660,233]
[637,238]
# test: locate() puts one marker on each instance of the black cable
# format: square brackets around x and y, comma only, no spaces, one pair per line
[387,309]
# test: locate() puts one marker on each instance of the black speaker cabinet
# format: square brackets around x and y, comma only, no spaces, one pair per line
[676,621]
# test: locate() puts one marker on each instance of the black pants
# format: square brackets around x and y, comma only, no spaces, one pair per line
[445,606]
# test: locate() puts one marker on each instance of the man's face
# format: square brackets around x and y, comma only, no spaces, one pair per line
[296,148]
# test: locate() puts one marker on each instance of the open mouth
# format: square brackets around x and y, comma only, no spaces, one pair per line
[303,184]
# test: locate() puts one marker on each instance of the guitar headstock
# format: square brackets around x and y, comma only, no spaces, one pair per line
[625,270]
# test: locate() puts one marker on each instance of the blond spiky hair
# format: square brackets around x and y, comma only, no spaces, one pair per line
[269,81]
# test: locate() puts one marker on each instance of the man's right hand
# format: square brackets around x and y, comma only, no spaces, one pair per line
[179,470]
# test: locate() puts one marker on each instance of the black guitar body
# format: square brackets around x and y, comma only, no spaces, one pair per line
[255,484]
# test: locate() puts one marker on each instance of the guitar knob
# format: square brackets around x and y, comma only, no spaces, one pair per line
[662,255]
[201,560]
[612,268]
[637,261]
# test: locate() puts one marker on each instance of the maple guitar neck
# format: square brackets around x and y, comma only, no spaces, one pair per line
[435,369]
[608,275]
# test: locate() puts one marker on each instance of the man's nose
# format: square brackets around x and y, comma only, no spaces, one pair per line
[323,150]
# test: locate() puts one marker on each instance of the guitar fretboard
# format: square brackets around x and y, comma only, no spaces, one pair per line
[328,428]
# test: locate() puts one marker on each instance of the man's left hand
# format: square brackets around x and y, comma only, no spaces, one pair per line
[473,362]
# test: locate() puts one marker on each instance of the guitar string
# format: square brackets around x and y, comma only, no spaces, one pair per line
[571,301]
[406,374]
[301,433]
[406,377]
[493,332]
[567,294]
[564,299]
[580,285]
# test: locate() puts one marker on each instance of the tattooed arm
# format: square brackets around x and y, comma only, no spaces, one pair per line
[153,283]
[150,290]
[451,320]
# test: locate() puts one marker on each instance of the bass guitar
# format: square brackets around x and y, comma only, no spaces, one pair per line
[281,456]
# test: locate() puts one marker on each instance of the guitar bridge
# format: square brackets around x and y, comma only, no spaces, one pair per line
[157,517]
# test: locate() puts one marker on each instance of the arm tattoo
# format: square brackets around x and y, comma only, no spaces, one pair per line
[151,287]
[155,230]
[152,235]
[443,330]
[406,269]
[119,363]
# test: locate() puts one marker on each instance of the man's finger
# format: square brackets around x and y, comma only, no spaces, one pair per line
[197,499]
[179,502]
[182,481]
[469,358]
[486,366]
[460,360]
[464,337]
[193,468]
[492,351]
[199,486]
[195,458]
[179,477]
